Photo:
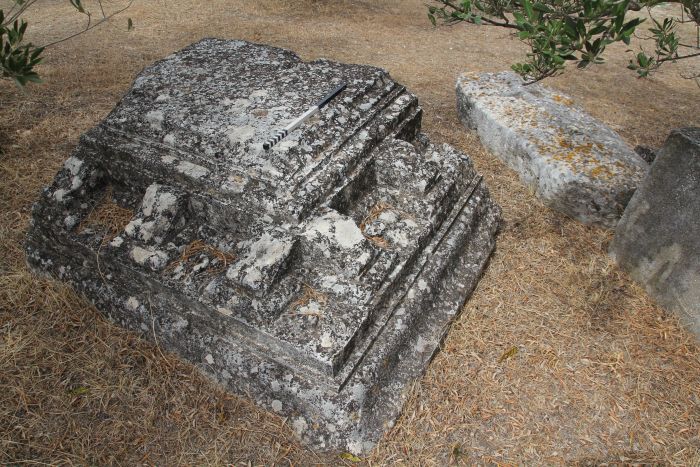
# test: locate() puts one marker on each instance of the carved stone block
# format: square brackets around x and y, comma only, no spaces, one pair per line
[318,277]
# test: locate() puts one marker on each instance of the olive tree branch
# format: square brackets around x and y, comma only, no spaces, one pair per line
[678,57]
[99,2]
[12,17]
[489,21]
[91,26]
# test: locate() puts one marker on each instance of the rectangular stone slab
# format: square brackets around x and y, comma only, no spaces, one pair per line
[575,163]
[318,277]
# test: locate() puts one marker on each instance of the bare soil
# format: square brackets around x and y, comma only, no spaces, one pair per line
[557,358]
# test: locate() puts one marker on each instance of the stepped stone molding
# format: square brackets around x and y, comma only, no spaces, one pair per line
[318,277]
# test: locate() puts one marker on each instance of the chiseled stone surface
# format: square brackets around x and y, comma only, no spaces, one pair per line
[658,238]
[319,277]
[575,163]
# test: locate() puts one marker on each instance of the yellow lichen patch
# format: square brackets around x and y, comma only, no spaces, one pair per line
[470,76]
[602,171]
[107,216]
[563,100]
[581,157]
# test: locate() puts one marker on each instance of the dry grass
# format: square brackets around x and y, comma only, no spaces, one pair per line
[308,295]
[378,241]
[373,214]
[600,374]
[195,250]
[108,217]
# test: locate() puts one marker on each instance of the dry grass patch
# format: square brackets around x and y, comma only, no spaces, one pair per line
[600,374]
[308,295]
[373,214]
[76,390]
[108,217]
[194,251]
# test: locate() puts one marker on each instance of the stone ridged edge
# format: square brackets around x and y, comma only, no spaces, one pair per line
[343,400]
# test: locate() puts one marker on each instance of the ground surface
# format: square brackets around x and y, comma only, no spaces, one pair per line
[557,357]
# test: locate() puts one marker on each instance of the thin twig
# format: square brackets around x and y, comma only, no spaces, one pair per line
[155,337]
[486,20]
[89,27]
[540,77]
[11,19]
[99,2]
[681,57]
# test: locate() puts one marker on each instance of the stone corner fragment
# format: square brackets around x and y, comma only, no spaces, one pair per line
[658,238]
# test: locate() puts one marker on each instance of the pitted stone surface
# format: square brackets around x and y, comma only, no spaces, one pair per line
[575,163]
[318,277]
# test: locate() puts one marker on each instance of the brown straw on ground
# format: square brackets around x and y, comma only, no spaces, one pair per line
[601,374]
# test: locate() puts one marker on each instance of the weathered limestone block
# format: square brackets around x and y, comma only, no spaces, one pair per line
[318,277]
[657,241]
[575,163]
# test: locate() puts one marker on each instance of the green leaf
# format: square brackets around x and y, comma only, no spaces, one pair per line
[79,391]
[78,5]
[34,78]
[350,457]
[642,59]
[37,52]
[570,28]
[542,7]
[581,28]
[597,30]
[130,24]
[457,451]
[512,352]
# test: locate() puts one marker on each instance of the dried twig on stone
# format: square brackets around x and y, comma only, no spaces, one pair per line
[108,216]
[197,247]
[308,295]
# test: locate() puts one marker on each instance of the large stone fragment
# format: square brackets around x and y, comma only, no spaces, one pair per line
[319,277]
[658,238]
[575,163]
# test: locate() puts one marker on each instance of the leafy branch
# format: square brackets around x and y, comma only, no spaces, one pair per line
[17,57]
[666,45]
[570,31]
